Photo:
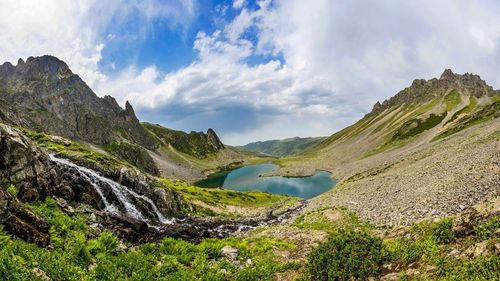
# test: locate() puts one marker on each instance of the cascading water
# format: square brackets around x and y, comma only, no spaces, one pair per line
[122,193]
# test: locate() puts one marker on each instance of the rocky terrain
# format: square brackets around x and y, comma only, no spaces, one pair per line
[397,167]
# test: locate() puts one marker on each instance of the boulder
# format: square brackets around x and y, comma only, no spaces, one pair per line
[229,252]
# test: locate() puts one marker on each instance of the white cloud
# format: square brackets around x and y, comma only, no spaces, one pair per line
[73,30]
[339,58]
[334,58]
[238,4]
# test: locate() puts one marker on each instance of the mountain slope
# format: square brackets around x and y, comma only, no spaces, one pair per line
[285,147]
[197,144]
[51,98]
[416,155]
[42,94]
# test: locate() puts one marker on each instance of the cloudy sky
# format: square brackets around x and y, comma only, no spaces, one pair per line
[255,70]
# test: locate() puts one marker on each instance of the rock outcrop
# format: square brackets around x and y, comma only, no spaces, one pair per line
[48,97]
[422,90]
[197,144]
[21,222]
[35,176]
[26,166]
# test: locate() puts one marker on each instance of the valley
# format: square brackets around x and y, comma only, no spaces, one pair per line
[88,192]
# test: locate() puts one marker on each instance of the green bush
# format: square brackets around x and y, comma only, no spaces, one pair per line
[346,255]
[485,231]
[442,232]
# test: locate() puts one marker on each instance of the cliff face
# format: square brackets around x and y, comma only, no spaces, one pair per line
[44,95]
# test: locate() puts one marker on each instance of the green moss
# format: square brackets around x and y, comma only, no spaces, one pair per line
[12,190]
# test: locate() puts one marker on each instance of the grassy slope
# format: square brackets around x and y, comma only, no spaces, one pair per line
[283,147]
[194,144]
[204,201]
[78,252]
[229,203]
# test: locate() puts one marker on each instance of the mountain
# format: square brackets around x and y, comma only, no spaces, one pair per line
[197,144]
[418,195]
[285,147]
[415,155]
[44,95]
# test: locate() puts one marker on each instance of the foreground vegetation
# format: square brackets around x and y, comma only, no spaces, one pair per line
[79,252]
[427,250]
[354,249]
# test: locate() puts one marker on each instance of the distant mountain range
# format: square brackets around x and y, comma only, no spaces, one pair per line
[284,147]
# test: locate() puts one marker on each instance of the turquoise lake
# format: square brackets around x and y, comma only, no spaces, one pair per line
[247,179]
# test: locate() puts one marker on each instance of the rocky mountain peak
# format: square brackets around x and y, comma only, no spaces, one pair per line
[55,100]
[447,75]
[214,140]
[46,65]
[422,90]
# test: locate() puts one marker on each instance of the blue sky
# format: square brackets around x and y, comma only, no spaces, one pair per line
[255,70]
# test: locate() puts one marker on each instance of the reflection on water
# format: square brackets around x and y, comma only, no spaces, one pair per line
[247,179]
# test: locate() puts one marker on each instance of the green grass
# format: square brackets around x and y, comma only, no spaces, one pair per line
[75,150]
[466,110]
[452,99]
[321,219]
[223,197]
[415,127]
[482,115]
[77,252]
[195,144]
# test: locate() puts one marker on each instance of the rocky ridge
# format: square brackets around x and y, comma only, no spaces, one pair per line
[44,95]
[431,151]
[422,90]
[53,99]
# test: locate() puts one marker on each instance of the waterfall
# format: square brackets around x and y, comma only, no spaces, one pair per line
[122,193]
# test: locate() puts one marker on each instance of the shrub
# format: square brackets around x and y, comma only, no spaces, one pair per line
[441,231]
[346,255]
[485,231]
